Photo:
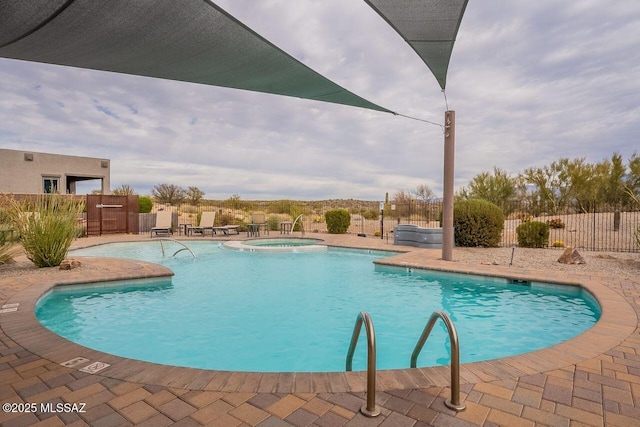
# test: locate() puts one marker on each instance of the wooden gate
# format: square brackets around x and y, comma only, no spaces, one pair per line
[111,214]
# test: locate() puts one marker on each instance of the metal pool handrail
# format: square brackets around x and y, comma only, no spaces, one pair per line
[370,409]
[299,217]
[185,248]
[453,403]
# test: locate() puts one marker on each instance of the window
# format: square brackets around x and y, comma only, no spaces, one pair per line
[50,184]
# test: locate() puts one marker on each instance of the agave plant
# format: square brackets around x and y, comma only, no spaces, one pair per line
[47,227]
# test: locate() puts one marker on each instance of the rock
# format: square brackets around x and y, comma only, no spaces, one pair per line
[571,256]
[69,264]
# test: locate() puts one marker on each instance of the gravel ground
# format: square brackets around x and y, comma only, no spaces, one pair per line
[618,264]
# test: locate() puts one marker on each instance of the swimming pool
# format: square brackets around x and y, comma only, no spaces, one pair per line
[295,311]
[289,244]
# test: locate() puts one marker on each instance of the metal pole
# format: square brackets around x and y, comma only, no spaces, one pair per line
[447,187]
[381,220]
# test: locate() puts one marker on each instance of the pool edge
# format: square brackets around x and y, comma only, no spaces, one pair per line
[617,322]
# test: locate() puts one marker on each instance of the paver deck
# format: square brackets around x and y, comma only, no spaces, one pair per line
[591,380]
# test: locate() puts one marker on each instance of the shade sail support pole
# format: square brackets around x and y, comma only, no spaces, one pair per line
[447,186]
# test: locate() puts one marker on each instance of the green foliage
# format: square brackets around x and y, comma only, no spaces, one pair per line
[235,203]
[574,185]
[555,223]
[611,187]
[533,234]
[370,214]
[273,222]
[632,183]
[477,223]
[145,204]
[48,230]
[498,188]
[338,221]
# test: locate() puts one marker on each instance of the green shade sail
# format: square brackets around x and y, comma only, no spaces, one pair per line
[187,40]
[429,26]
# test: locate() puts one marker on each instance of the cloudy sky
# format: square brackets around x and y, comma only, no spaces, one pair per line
[531,82]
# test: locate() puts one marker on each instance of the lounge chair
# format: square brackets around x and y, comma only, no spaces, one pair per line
[206,223]
[258,220]
[163,223]
[227,229]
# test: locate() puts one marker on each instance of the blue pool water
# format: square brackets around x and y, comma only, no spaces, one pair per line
[271,312]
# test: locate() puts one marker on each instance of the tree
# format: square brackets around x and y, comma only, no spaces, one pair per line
[194,195]
[497,187]
[424,193]
[168,194]
[581,183]
[123,190]
[612,187]
[234,202]
[550,193]
[632,179]
[403,202]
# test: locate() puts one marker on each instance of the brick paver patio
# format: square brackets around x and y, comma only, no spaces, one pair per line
[591,380]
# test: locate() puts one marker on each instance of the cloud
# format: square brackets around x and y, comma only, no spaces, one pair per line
[530,82]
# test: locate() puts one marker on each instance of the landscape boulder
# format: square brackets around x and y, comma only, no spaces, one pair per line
[69,264]
[571,256]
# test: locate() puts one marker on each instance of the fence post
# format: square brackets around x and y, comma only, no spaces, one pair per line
[593,236]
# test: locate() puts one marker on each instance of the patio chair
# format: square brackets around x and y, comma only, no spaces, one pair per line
[227,229]
[258,220]
[206,223]
[163,223]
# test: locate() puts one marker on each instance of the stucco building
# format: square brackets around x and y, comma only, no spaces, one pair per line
[29,172]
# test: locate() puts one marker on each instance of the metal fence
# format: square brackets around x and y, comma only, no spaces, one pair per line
[364,214]
[602,228]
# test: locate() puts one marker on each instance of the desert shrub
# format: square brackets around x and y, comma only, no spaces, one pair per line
[145,204]
[371,214]
[477,222]
[338,221]
[533,234]
[524,217]
[273,222]
[225,219]
[555,223]
[7,252]
[49,229]
[7,249]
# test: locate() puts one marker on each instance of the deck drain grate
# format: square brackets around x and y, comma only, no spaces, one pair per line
[76,361]
[9,308]
[95,367]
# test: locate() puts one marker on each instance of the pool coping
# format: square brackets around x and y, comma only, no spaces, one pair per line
[618,321]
